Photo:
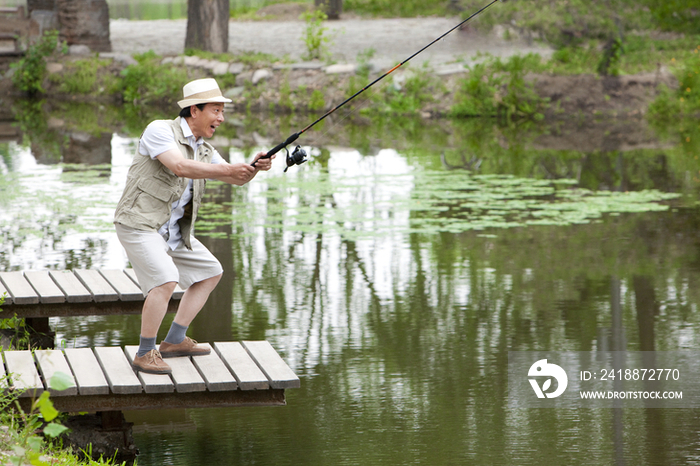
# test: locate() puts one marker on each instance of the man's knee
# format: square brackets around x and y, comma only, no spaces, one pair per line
[213,281]
[166,289]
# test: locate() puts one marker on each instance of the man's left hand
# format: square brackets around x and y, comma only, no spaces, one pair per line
[263,163]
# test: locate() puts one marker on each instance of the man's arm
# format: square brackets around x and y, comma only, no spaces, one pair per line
[236,173]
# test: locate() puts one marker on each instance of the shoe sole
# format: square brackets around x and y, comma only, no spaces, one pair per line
[147,371]
[178,354]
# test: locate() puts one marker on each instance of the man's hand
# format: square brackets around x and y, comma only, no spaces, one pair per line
[263,163]
[241,173]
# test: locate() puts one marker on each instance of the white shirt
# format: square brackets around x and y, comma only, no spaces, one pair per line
[157,139]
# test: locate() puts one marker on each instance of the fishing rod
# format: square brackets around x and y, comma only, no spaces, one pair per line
[299,155]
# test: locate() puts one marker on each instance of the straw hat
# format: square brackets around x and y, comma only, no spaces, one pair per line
[202,91]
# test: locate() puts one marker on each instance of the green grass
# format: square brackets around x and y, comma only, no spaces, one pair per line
[394,8]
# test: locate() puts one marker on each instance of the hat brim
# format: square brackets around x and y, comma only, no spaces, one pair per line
[211,100]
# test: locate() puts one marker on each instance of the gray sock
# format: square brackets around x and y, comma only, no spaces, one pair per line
[176,334]
[146,345]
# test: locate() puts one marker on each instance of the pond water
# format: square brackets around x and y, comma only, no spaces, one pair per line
[394,272]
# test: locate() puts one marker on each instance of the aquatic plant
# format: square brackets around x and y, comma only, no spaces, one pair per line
[437,201]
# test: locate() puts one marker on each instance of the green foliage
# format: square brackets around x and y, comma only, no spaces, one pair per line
[689,78]
[499,88]
[149,81]
[563,22]
[31,120]
[609,64]
[314,34]
[286,96]
[33,437]
[29,447]
[643,52]
[30,70]
[409,97]
[393,8]
[685,100]
[317,101]
[20,337]
[666,105]
[476,94]
[676,15]
[81,77]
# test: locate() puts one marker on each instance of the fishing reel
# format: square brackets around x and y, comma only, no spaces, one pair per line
[297,157]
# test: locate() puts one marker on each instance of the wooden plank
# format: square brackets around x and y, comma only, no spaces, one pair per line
[70,285]
[277,371]
[177,294]
[186,377]
[152,383]
[218,400]
[50,362]
[20,289]
[45,287]
[214,372]
[22,370]
[6,294]
[247,374]
[87,371]
[101,290]
[127,290]
[118,370]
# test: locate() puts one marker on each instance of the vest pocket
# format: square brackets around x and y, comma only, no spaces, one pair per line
[154,199]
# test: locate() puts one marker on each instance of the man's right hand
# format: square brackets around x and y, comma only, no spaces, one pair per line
[237,173]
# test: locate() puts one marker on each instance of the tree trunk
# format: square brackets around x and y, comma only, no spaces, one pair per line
[207,25]
[332,8]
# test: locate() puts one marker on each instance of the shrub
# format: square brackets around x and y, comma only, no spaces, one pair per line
[314,34]
[149,82]
[686,99]
[30,70]
[499,88]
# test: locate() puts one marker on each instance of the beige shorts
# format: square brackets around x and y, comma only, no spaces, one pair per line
[156,264]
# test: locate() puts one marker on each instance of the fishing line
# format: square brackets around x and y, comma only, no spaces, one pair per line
[298,156]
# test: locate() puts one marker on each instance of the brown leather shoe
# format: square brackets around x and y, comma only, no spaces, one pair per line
[152,363]
[188,347]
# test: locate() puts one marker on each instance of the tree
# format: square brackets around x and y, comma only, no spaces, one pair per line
[207,25]
[332,8]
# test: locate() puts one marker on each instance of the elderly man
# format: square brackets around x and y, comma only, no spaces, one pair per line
[156,214]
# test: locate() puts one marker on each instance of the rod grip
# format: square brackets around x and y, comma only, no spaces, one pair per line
[279,147]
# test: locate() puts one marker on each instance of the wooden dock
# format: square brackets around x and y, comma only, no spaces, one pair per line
[53,293]
[249,373]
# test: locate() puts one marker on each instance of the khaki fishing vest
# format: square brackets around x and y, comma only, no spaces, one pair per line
[151,188]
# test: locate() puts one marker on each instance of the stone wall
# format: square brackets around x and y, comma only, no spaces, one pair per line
[85,22]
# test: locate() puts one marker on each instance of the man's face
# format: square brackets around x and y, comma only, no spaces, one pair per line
[204,122]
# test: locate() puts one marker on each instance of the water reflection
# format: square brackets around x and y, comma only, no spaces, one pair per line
[400,335]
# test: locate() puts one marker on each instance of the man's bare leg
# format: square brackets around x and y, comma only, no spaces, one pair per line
[176,342]
[194,299]
[154,308]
